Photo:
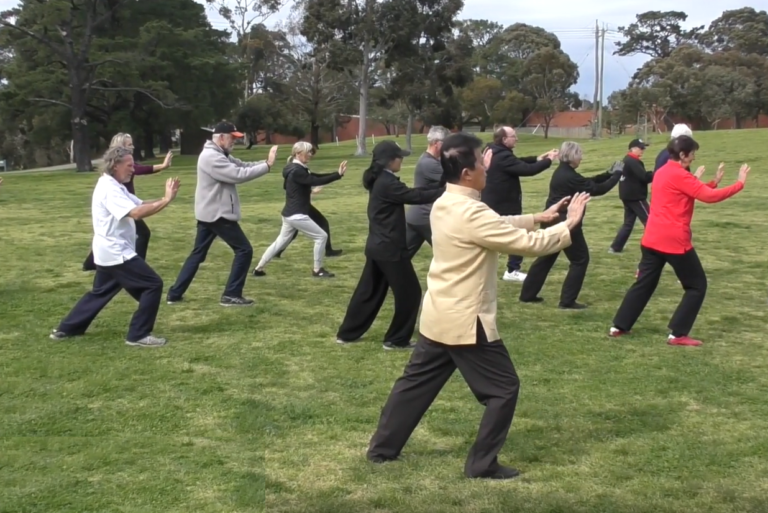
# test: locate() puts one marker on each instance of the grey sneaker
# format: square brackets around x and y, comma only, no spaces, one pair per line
[148,341]
[60,335]
[235,301]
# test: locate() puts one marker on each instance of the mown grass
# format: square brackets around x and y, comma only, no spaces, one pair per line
[258,409]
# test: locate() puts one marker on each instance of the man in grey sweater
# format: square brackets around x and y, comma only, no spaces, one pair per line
[217,210]
[428,173]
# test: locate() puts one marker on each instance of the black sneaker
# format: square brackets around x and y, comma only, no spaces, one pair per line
[172,301]
[500,473]
[334,253]
[322,273]
[534,300]
[257,272]
[389,346]
[235,301]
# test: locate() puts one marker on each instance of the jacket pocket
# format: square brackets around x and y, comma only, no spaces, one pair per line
[232,203]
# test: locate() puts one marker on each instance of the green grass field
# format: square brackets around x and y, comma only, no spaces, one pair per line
[259,410]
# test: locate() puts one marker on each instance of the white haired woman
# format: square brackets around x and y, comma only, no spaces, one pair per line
[123,140]
[298,182]
[565,182]
[114,213]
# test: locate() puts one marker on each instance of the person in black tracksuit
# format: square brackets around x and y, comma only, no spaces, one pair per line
[387,261]
[566,181]
[502,192]
[633,192]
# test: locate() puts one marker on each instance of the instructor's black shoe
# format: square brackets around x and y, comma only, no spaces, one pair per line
[534,300]
[500,474]
[258,272]
[235,301]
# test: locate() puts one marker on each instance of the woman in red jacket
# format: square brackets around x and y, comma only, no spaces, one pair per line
[667,240]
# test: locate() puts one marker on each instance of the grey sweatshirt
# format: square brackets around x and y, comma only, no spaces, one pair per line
[217,178]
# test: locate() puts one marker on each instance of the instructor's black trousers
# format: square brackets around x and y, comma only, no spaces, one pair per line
[320,220]
[377,278]
[690,273]
[231,233]
[142,245]
[633,210]
[490,374]
[138,279]
[578,256]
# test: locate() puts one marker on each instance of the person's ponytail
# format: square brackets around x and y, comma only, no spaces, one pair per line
[371,174]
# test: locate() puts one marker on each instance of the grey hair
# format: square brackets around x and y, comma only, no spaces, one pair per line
[436,134]
[300,147]
[570,152]
[113,157]
[119,140]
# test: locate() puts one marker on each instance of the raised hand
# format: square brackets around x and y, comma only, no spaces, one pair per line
[743,172]
[487,156]
[552,213]
[576,209]
[272,156]
[343,168]
[172,188]
[700,172]
[168,159]
[720,173]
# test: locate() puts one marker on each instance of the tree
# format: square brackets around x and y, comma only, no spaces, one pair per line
[742,30]
[727,93]
[67,32]
[550,74]
[656,34]
[479,100]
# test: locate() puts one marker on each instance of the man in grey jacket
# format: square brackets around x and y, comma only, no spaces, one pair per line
[428,173]
[217,210]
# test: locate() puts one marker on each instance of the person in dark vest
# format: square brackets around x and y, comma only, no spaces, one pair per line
[387,262]
[428,173]
[633,193]
[503,193]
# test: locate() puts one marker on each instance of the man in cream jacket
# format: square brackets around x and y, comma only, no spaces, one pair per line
[217,210]
[458,318]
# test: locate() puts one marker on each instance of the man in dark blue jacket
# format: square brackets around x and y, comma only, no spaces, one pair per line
[502,192]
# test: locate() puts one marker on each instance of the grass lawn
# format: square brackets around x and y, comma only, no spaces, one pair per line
[258,409]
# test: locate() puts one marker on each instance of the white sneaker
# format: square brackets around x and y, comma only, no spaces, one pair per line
[516,276]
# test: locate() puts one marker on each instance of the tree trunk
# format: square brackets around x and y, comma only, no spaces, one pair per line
[388,128]
[166,143]
[149,144]
[80,135]
[546,127]
[363,110]
[314,135]
[409,132]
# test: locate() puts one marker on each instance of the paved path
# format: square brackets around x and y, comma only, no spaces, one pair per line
[63,167]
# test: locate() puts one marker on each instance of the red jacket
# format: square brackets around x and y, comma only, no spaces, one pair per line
[674,190]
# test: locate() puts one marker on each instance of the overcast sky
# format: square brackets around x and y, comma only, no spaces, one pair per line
[575,28]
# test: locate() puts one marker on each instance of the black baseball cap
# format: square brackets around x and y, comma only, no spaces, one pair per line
[387,151]
[638,143]
[225,127]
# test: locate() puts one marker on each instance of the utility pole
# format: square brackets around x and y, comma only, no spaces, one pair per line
[597,80]
[602,80]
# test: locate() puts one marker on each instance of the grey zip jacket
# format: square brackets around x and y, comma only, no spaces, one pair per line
[217,177]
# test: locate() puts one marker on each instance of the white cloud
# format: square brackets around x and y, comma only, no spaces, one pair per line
[571,21]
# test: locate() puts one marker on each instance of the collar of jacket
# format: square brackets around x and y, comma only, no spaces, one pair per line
[462,191]
[302,164]
[210,145]
[498,148]
[632,155]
